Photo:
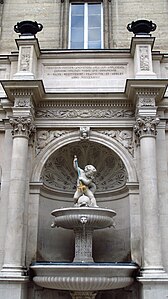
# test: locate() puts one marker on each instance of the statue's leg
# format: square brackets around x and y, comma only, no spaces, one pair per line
[76,196]
[91,197]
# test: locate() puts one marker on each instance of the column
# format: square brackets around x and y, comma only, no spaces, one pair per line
[145,129]
[14,258]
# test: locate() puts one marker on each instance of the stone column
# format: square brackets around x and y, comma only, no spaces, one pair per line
[145,129]
[14,259]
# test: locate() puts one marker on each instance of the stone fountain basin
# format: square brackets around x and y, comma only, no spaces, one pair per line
[95,218]
[83,277]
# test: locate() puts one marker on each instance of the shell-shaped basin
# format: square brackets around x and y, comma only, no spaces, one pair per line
[95,218]
[84,277]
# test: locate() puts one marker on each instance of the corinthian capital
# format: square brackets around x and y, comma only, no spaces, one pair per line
[22,126]
[146,126]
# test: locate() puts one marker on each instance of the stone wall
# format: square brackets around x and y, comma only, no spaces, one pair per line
[54,17]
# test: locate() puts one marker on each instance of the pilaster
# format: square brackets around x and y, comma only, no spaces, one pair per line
[29,52]
[141,49]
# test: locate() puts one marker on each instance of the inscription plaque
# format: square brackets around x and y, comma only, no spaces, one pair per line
[85,72]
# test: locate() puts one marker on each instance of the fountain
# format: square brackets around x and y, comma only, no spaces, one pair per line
[83,277]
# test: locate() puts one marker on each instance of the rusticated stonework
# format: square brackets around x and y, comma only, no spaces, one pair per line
[22,126]
[146,126]
[59,174]
[124,137]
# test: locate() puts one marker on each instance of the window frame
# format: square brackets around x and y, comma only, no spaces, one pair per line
[86,3]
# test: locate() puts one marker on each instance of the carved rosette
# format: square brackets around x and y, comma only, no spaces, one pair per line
[22,126]
[146,126]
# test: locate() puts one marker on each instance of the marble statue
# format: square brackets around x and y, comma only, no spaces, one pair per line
[84,194]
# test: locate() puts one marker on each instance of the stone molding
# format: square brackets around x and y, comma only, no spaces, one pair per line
[146,126]
[22,126]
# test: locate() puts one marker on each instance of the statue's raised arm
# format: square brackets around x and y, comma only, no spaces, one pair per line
[85,185]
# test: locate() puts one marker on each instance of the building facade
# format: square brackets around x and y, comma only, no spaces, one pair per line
[83,85]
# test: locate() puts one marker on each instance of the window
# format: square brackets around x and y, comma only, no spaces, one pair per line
[86,26]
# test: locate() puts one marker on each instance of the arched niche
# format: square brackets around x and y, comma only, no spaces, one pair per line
[53,168]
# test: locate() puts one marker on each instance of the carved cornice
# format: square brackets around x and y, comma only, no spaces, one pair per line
[146,126]
[22,126]
[21,92]
[144,89]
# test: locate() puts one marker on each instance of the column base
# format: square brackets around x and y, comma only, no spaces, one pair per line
[12,272]
[149,273]
[154,283]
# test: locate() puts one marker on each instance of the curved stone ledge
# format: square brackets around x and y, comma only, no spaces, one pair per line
[89,277]
[96,218]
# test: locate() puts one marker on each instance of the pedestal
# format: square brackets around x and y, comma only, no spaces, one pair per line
[83,244]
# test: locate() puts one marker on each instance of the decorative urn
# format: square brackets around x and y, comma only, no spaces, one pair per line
[28,27]
[141,27]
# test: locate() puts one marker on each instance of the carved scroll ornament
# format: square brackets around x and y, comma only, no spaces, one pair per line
[22,126]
